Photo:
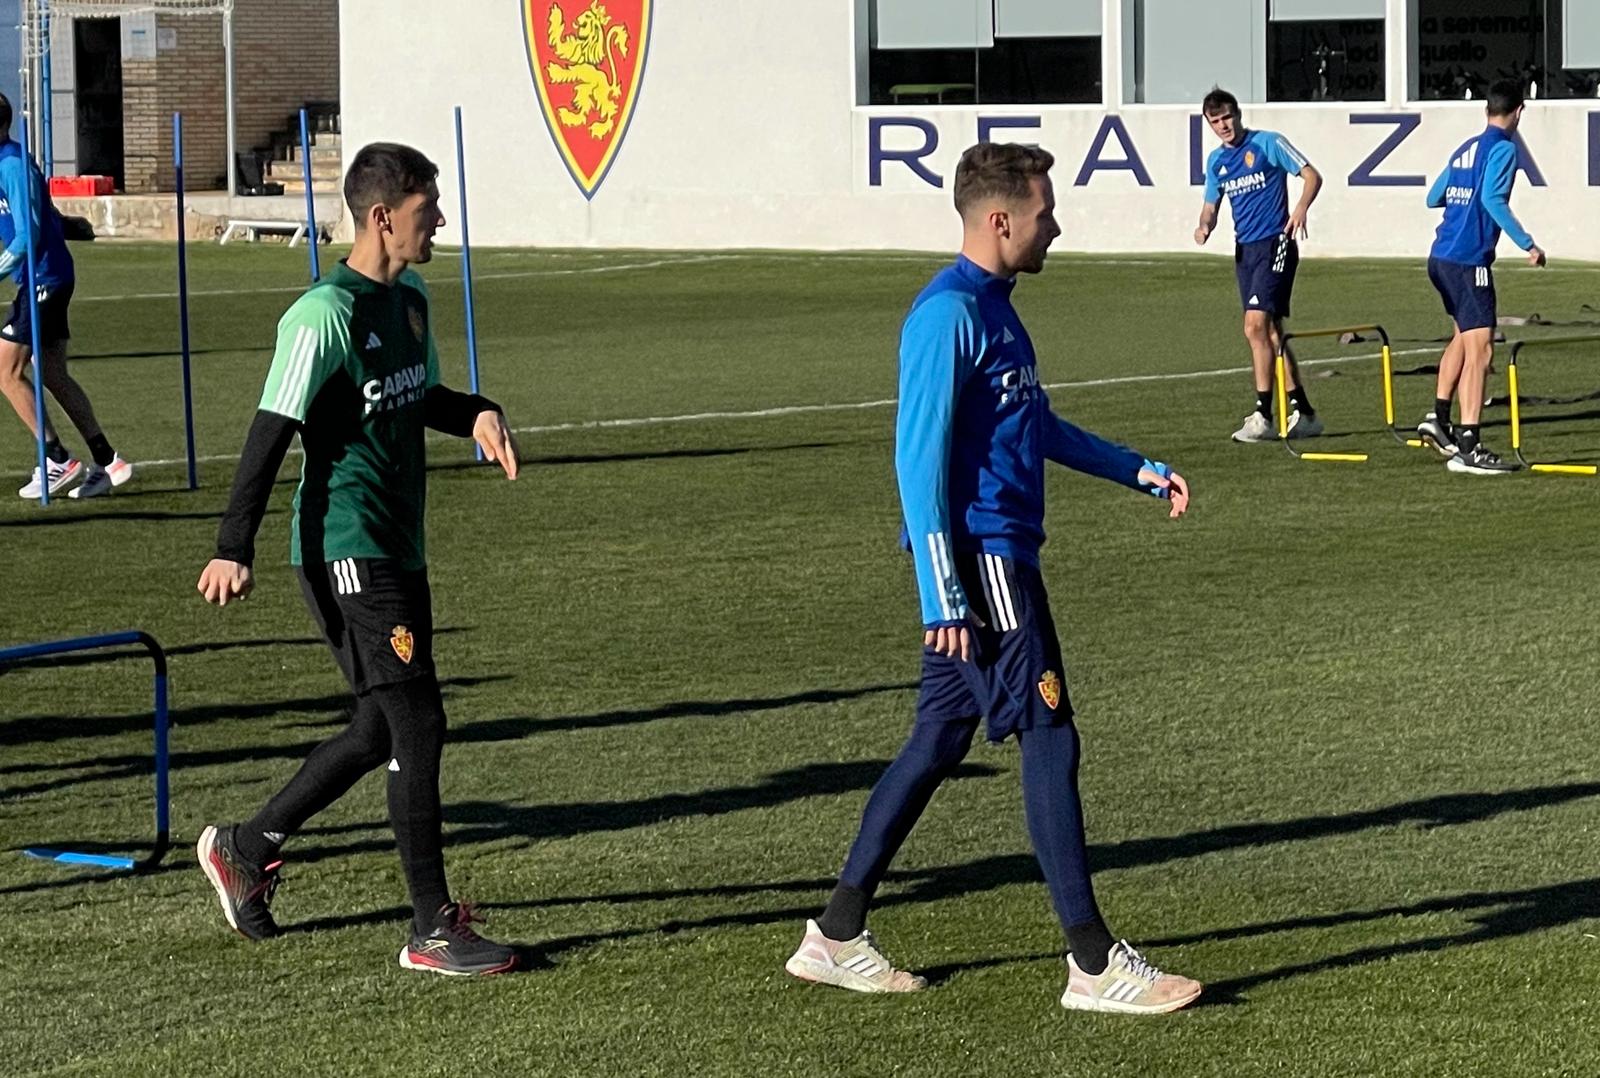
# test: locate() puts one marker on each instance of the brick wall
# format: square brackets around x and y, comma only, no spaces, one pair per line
[286,53]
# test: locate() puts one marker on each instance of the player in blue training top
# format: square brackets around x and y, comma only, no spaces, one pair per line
[1475,192]
[1252,169]
[53,278]
[973,433]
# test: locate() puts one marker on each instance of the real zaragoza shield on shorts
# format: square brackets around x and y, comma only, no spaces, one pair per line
[587,58]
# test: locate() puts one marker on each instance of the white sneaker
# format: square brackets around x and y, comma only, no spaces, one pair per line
[1256,428]
[100,480]
[61,475]
[1304,426]
[854,964]
[1129,985]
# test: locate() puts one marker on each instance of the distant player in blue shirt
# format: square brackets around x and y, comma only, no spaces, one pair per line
[1474,191]
[1251,169]
[53,278]
[971,439]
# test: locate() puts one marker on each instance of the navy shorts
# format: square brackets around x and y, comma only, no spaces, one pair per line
[1015,680]
[1266,272]
[53,329]
[1467,291]
[377,618]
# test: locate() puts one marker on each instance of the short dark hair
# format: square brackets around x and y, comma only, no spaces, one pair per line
[385,172]
[1219,100]
[5,113]
[1505,97]
[998,170]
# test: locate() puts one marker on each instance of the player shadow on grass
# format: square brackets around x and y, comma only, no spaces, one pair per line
[515,728]
[910,887]
[38,729]
[1495,915]
[94,513]
[100,658]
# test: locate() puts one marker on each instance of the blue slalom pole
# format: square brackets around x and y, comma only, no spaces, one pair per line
[466,265]
[33,318]
[183,298]
[311,203]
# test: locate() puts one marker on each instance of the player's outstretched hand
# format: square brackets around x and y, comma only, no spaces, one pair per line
[494,438]
[1176,486]
[222,580]
[1296,228]
[952,641]
[1536,256]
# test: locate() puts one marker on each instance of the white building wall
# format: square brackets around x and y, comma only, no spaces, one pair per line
[746,134]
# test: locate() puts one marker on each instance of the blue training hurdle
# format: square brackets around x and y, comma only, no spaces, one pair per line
[93,643]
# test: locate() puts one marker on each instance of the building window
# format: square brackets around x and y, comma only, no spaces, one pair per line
[1260,50]
[1325,60]
[988,52]
[1460,47]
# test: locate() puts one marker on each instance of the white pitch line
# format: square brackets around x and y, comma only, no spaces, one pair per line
[510,274]
[853,406]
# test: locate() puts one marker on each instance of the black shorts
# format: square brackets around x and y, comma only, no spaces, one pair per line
[377,618]
[1266,272]
[1467,291]
[1015,679]
[53,328]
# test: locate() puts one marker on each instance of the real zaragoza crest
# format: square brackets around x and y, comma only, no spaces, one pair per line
[587,67]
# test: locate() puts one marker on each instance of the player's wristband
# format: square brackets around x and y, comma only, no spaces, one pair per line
[1164,471]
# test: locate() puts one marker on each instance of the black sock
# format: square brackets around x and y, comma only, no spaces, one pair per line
[255,845]
[101,450]
[1090,945]
[846,915]
[55,451]
[1441,410]
[1297,396]
[1467,437]
[1264,402]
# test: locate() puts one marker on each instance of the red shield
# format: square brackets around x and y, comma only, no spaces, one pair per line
[588,59]
[1050,689]
[403,643]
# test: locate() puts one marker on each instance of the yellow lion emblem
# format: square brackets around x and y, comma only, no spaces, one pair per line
[588,52]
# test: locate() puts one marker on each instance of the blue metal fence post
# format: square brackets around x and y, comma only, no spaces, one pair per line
[183,300]
[33,316]
[466,265]
[311,202]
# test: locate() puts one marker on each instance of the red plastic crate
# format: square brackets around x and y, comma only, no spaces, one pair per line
[81,186]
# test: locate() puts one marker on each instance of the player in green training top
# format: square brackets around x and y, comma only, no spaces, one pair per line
[356,375]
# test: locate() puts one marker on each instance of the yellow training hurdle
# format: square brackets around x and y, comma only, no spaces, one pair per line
[1281,379]
[1516,410]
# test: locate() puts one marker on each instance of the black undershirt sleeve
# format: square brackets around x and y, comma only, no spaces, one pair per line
[263,452]
[454,413]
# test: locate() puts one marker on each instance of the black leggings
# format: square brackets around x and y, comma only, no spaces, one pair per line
[401,725]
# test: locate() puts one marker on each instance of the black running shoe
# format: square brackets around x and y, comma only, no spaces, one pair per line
[1438,433]
[453,948]
[1480,461]
[244,889]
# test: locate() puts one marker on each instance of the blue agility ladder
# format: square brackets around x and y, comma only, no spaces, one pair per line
[92,643]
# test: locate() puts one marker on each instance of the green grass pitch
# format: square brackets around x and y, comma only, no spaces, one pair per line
[1340,748]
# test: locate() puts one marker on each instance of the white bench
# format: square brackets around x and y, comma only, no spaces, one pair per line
[253,229]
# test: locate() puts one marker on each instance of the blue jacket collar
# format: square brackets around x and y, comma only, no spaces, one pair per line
[981,279]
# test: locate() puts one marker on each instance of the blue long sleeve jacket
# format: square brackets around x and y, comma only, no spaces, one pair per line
[972,434]
[53,263]
[1474,190]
